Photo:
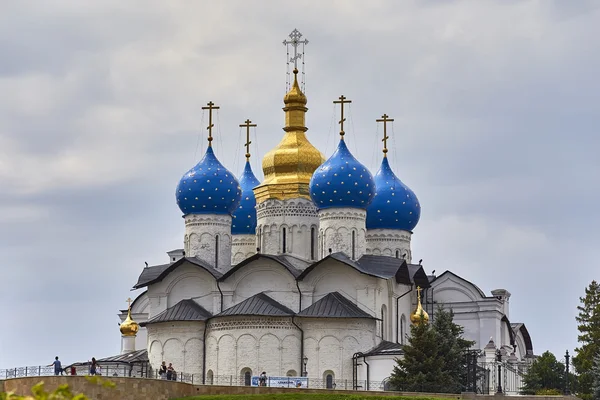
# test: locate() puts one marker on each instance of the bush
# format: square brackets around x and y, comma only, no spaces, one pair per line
[548,392]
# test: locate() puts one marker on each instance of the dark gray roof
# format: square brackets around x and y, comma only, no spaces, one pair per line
[385,348]
[135,357]
[157,273]
[334,305]
[384,267]
[259,304]
[185,310]
[282,260]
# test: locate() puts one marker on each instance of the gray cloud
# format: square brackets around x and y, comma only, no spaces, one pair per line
[495,108]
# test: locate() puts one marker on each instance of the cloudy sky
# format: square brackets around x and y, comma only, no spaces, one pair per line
[496,108]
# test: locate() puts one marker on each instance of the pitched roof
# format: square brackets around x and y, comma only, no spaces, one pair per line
[334,305]
[383,267]
[185,310]
[520,327]
[261,305]
[282,260]
[385,348]
[481,293]
[157,273]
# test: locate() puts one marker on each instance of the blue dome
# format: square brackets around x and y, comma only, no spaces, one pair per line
[395,206]
[244,217]
[342,181]
[208,188]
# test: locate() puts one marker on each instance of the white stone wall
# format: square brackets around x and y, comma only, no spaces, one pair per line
[204,233]
[389,242]
[180,343]
[242,247]
[380,369]
[263,275]
[186,282]
[299,219]
[330,343]
[235,344]
[342,230]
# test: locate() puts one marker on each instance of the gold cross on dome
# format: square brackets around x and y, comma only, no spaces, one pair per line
[419,292]
[129,302]
[210,108]
[342,100]
[385,119]
[248,125]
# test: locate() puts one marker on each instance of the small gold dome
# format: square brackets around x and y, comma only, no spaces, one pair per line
[419,312]
[289,166]
[129,327]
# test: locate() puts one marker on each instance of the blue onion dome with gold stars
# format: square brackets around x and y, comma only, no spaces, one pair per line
[395,206]
[342,181]
[244,217]
[208,188]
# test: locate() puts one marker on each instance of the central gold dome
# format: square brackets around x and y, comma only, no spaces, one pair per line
[289,166]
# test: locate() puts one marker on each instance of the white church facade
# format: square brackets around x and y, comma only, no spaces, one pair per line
[307,273]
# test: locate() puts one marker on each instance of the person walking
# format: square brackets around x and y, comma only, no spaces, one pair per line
[93,367]
[57,366]
[170,372]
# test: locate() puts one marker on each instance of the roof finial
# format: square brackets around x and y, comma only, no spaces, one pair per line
[295,41]
[129,327]
[342,100]
[247,124]
[210,108]
[385,120]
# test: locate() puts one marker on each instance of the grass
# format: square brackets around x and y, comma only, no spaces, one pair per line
[303,396]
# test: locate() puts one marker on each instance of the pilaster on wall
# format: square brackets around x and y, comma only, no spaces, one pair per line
[208,237]
[242,247]
[342,230]
[287,227]
[389,242]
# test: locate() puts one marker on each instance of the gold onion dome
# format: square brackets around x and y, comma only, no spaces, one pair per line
[289,166]
[129,327]
[419,312]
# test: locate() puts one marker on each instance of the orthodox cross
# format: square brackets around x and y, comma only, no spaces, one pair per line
[341,102]
[295,42]
[129,302]
[385,120]
[210,108]
[419,292]
[247,124]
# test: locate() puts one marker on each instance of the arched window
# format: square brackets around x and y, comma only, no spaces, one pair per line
[259,237]
[283,240]
[402,329]
[209,377]
[217,251]
[383,312]
[353,245]
[291,372]
[397,253]
[312,243]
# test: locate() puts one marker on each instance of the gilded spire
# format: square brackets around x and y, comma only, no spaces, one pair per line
[419,313]
[385,119]
[210,108]
[289,166]
[129,327]
[248,124]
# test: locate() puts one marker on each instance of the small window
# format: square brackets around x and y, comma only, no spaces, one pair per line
[397,253]
[247,378]
[353,245]
[312,243]
[217,251]
[283,240]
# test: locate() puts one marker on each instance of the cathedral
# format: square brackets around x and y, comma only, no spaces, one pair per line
[308,273]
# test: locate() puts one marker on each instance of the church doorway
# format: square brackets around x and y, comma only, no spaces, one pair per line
[209,377]
[246,376]
[329,384]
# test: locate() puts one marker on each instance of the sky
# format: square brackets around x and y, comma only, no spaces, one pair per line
[496,107]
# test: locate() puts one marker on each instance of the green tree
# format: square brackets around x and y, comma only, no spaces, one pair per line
[433,360]
[545,374]
[588,320]
[596,377]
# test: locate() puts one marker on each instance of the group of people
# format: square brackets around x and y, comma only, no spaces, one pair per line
[58,369]
[167,373]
